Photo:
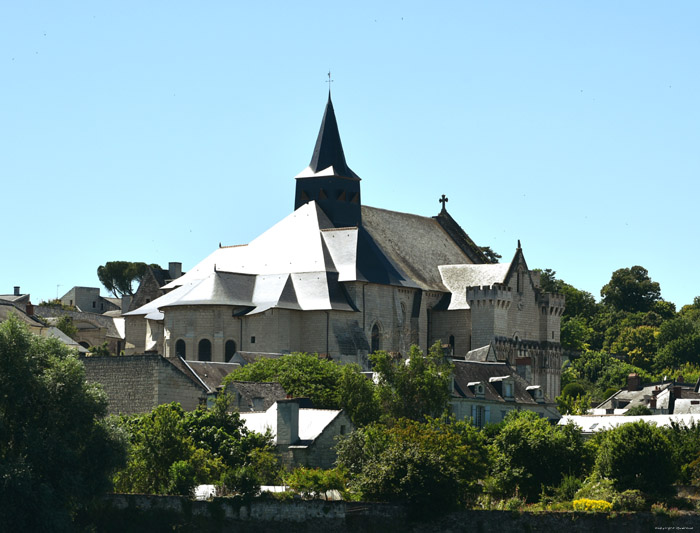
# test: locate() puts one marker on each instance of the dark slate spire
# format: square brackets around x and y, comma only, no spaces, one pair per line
[328,180]
[329,149]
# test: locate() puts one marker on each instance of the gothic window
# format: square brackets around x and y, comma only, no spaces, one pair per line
[375,338]
[180,349]
[229,350]
[204,350]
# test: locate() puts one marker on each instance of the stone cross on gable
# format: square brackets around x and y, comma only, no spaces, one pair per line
[444,201]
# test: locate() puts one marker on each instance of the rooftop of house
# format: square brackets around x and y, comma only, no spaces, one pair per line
[491,376]
[590,424]
[256,396]
[312,422]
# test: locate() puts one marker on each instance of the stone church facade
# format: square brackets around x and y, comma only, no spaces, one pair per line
[340,278]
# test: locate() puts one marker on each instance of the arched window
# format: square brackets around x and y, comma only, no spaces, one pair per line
[180,349]
[204,351]
[375,338]
[229,350]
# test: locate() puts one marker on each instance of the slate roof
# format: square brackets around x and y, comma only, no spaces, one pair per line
[254,357]
[483,354]
[211,373]
[250,390]
[7,307]
[312,422]
[466,372]
[328,158]
[458,277]
[590,424]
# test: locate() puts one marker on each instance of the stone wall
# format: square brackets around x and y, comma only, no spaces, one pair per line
[145,513]
[138,383]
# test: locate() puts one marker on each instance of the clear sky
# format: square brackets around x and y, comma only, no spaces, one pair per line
[152,131]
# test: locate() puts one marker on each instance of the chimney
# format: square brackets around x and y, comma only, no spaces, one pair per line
[634,382]
[680,379]
[287,421]
[652,403]
[174,270]
[677,392]
[16,290]
[126,302]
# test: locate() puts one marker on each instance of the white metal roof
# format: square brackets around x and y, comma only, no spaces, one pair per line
[312,422]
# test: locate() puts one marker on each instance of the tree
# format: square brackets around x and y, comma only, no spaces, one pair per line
[531,455]
[327,384]
[492,256]
[415,388]
[631,289]
[636,456]
[172,451]
[57,453]
[118,276]
[432,465]
[66,325]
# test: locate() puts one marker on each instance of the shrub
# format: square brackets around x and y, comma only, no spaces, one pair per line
[597,488]
[629,500]
[592,506]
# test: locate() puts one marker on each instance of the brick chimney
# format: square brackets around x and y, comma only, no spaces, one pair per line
[17,290]
[287,421]
[174,270]
[634,382]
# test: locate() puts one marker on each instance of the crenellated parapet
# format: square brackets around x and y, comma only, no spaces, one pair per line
[496,296]
[552,304]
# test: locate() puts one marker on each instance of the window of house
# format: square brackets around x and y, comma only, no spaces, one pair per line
[180,349]
[204,350]
[375,338]
[252,340]
[229,350]
[94,304]
[478,415]
[452,345]
[342,430]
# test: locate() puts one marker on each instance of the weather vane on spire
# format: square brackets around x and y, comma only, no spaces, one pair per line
[329,81]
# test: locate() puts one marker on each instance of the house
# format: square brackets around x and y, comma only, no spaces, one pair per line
[591,424]
[19,300]
[138,383]
[660,398]
[254,396]
[36,326]
[89,300]
[340,278]
[303,436]
[485,390]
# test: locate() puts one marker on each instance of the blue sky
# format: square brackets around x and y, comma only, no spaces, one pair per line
[152,131]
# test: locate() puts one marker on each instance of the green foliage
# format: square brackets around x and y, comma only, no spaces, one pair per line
[327,384]
[316,482]
[492,256]
[172,451]
[685,446]
[639,344]
[629,500]
[100,351]
[432,465]
[631,289]
[415,388]
[638,410]
[531,455]
[118,277]
[57,453]
[592,506]
[596,487]
[636,456]
[65,324]
[573,405]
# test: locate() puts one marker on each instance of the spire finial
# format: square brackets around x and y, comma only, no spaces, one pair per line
[518,244]
[329,81]
[443,200]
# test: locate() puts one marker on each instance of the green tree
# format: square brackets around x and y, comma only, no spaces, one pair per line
[65,324]
[57,453]
[432,465]
[118,277]
[631,289]
[530,455]
[327,384]
[100,351]
[636,456]
[415,388]
[172,451]
[639,343]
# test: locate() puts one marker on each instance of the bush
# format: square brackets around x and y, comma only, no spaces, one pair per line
[315,482]
[592,506]
[597,488]
[629,500]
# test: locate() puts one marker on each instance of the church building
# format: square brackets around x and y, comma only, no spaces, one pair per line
[340,278]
